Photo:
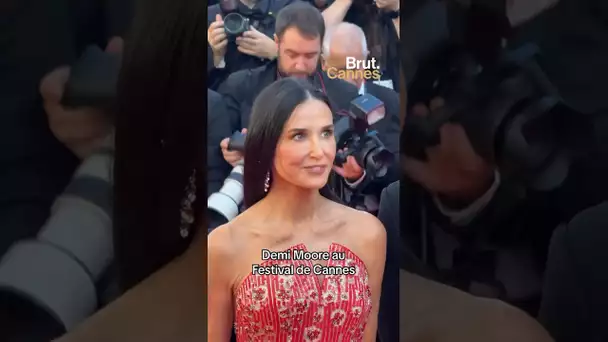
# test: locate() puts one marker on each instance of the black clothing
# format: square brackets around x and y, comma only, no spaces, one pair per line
[242,87]
[264,13]
[389,130]
[36,37]
[388,315]
[573,37]
[218,128]
[397,257]
[574,300]
[390,126]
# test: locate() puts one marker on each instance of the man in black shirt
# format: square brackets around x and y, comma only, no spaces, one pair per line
[300,30]
[253,48]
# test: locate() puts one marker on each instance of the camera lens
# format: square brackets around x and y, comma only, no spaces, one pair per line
[378,160]
[235,24]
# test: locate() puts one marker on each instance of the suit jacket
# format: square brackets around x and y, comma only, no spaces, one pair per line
[242,87]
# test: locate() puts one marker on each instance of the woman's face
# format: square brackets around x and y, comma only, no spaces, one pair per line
[307,147]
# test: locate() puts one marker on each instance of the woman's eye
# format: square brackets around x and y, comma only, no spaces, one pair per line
[327,134]
[298,136]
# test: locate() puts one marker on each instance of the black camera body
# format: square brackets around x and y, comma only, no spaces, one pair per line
[354,138]
[235,23]
[512,114]
[93,80]
[237,142]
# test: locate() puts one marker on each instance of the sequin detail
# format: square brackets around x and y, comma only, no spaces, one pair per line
[301,307]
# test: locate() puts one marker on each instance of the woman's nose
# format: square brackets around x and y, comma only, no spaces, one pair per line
[315,148]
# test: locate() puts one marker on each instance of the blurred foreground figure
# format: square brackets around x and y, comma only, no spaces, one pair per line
[434,312]
[168,306]
[574,294]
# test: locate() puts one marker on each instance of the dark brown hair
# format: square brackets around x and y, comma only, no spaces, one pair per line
[303,16]
[271,110]
[160,126]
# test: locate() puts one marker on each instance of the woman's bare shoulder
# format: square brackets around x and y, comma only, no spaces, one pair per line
[221,242]
[364,230]
[363,224]
[228,239]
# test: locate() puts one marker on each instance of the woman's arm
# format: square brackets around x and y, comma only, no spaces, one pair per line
[219,287]
[373,247]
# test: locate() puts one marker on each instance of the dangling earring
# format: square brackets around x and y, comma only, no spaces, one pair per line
[267,182]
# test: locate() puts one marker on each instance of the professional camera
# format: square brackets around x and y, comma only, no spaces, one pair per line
[354,138]
[224,205]
[93,80]
[235,24]
[511,112]
[60,272]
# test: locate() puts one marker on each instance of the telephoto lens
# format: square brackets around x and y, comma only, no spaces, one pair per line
[225,204]
[58,270]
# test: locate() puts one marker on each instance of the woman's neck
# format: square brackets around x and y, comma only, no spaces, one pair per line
[287,203]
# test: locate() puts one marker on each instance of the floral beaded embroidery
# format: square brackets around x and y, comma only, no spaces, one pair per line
[299,307]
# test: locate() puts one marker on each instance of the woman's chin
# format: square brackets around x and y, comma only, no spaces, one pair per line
[314,185]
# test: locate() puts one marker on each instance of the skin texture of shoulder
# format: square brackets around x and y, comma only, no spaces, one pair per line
[364,227]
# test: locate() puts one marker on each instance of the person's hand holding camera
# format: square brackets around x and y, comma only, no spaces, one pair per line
[232,157]
[82,130]
[218,41]
[350,170]
[255,43]
[389,5]
[453,172]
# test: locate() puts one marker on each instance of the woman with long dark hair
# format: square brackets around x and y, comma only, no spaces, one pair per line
[291,295]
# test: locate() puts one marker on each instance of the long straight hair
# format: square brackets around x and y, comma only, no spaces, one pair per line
[271,110]
[160,124]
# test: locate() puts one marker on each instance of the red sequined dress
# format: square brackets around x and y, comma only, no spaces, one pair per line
[305,307]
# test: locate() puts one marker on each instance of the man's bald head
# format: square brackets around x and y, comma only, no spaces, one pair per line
[343,41]
[339,40]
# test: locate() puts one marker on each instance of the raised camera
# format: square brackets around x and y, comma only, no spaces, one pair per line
[235,24]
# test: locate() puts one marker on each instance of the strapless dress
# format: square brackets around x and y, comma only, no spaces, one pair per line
[304,302]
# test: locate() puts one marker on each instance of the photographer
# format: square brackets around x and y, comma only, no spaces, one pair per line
[300,30]
[380,20]
[299,33]
[245,41]
[337,47]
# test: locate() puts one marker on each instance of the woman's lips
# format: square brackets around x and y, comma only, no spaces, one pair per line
[316,169]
